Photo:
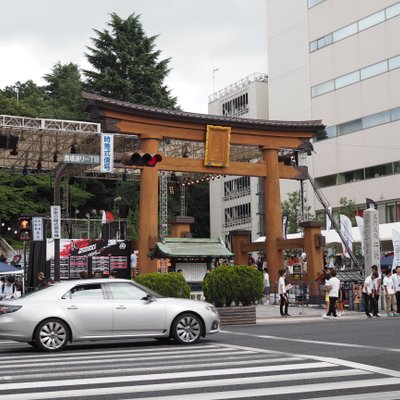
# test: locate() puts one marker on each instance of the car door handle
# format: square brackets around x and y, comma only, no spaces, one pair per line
[72,308]
[121,307]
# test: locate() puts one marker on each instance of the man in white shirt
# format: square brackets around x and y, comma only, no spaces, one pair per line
[389,293]
[367,291]
[333,285]
[396,284]
[282,291]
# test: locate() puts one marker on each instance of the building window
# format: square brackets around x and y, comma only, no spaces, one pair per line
[355,76]
[356,125]
[379,170]
[236,107]
[362,24]
[313,3]
[375,171]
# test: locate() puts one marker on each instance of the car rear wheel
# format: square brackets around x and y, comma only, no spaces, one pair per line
[186,328]
[51,335]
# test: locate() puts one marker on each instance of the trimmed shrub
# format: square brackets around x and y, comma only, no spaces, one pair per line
[228,284]
[172,284]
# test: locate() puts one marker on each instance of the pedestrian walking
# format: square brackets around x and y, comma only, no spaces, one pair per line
[396,284]
[341,299]
[327,276]
[389,293]
[376,290]
[267,286]
[283,296]
[333,285]
[367,294]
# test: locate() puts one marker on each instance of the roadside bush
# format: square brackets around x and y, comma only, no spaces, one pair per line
[172,284]
[228,284]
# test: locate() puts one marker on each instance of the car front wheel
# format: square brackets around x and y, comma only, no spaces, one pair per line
[51,335]
[186,329]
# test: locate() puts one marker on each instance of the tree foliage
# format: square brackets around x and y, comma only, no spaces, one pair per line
[125,65]
[292,207]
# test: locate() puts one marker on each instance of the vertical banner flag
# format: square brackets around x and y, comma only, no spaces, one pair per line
[284,225]
[55,212]
[360,224]
[328,218]
[396,247]
[345,229]
[107,152]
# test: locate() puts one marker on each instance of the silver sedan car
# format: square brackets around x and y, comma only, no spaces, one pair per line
[102,309]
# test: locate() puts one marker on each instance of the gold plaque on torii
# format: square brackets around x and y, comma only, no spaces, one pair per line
[217,146]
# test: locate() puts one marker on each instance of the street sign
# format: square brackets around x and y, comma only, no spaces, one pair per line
[37,229]
[82,159]
[107,152]
[55,222]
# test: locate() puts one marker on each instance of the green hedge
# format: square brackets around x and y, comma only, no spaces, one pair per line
[172,284]
[226,284]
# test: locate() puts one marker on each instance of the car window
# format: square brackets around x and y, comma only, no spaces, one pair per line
[126,291]
[85,292]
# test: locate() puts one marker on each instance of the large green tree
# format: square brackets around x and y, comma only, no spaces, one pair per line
[63,93]
[292,207]
[126,65]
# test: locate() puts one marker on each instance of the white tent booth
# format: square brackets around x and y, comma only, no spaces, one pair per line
[333,238]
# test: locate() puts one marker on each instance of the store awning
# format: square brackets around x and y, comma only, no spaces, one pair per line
[190,247]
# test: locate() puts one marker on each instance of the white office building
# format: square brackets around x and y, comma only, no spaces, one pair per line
[339,61]
[234,200]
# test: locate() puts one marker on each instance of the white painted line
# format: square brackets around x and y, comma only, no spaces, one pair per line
[163,387]
[335,361]
[169,367]
[363,396]
[164,376]
[318,342]
[243,394]
[101,360]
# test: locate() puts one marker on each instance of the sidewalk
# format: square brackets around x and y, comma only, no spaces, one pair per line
[269,313]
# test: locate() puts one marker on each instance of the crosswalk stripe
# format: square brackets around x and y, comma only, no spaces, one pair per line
[114,371]
[391,395]
[164,376]
[156,349]
[119,358]
[230,394]
[267,392]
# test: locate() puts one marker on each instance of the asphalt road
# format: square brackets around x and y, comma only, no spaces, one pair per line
[371,341]
[279,359]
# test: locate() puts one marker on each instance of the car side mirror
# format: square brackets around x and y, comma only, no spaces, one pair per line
[149,298]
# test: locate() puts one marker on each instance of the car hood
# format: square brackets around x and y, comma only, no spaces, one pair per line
[186,303]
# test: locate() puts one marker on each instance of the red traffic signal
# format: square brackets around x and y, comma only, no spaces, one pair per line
[24,229]
[140,160]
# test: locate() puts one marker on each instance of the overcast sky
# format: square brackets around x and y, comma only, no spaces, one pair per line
[198,35]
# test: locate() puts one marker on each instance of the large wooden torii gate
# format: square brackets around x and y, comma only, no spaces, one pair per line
[152,125]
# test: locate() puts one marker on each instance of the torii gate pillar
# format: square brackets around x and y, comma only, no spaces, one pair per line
[273,213]
[148,209]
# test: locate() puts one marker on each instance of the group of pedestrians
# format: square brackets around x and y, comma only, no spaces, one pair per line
[389,285]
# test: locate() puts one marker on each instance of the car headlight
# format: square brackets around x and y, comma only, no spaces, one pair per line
[212,309]
[6,309]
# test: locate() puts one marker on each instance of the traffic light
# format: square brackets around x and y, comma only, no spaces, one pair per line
[140,159]
[24,228]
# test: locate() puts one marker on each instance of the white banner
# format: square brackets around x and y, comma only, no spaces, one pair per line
[328,218]
[345,229]
[360,224]
[396,246]
[107,152]
[55,222]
